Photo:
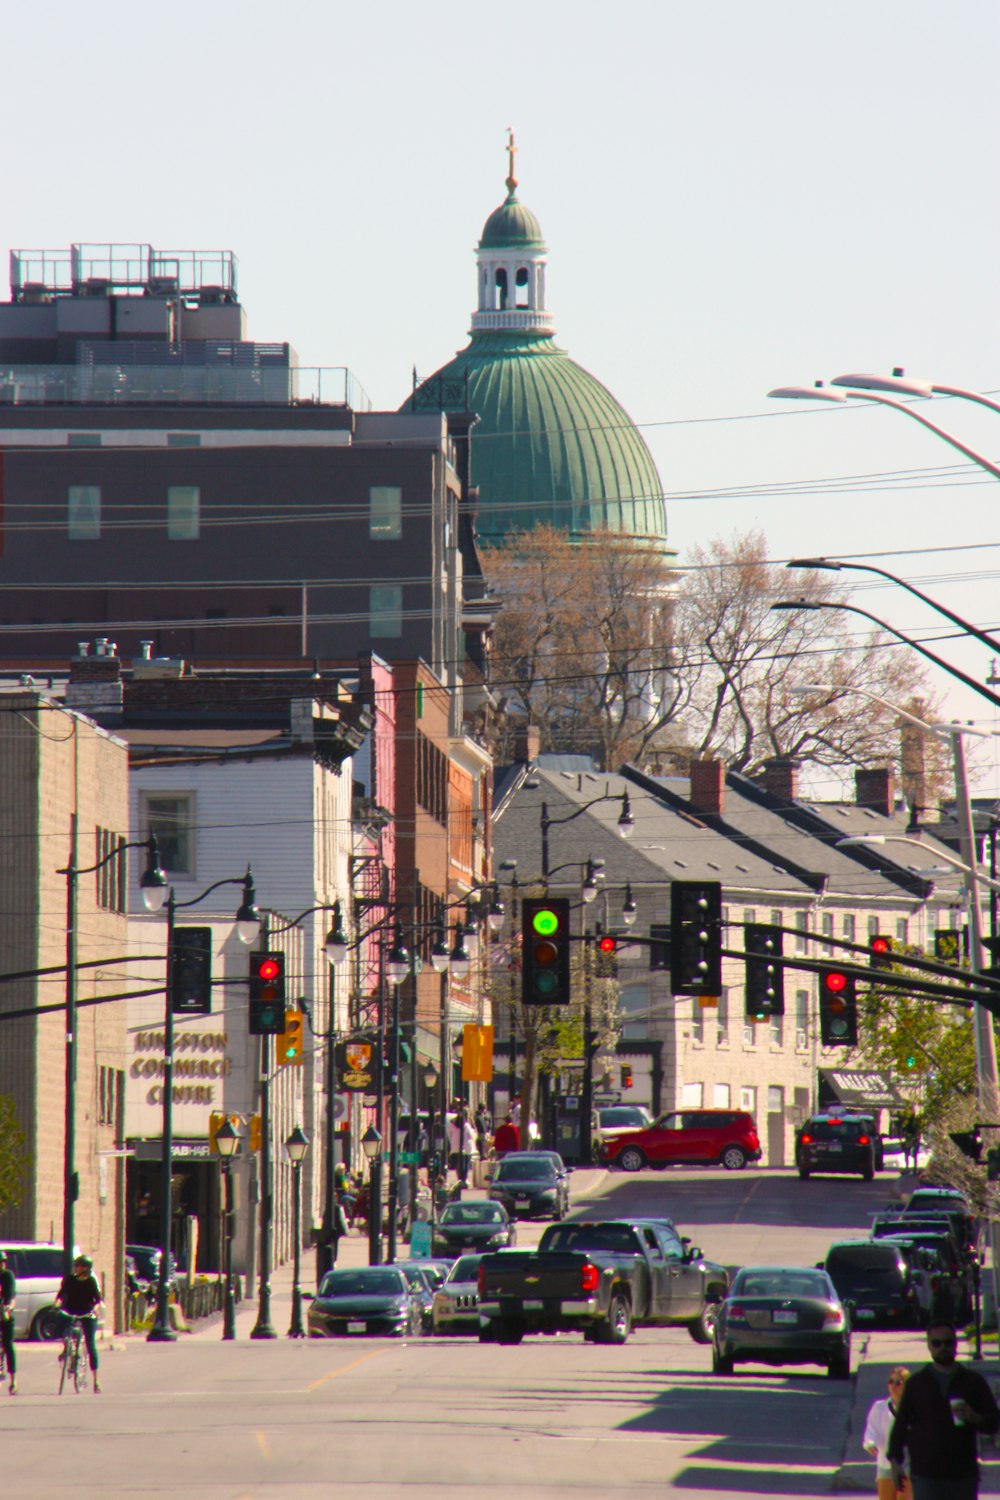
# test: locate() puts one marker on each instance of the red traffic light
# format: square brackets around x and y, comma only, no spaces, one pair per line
[608,944]
[269,968]
[879,944]
[835,982]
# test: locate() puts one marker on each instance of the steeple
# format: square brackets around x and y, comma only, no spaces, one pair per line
[510,266]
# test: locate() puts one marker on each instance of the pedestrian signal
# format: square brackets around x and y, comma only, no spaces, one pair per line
[191,971]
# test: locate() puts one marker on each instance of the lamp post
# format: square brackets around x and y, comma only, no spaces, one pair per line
[227,1143]
[153,886]
[153,873]
[371,1145]
[296,1147]
[430,1083]
[397,967]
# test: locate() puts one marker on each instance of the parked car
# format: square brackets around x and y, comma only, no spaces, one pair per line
[435,1270]
[600,1278]
[147,1266]
[472,1225]
[939,1282]
[838,1142]
[932,1203]
[528,1185]
[456,1301]
[611,1119]
[38,1269]
[689,1137]
[370,1300]
[872,1276]
[782,1315]
[421,1288]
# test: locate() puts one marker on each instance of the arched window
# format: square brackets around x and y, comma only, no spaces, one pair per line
[521,295]
[500,290]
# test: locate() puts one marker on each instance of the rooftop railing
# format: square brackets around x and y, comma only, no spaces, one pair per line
[180,385]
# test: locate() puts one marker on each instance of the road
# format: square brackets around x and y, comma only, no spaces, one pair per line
[549,1418]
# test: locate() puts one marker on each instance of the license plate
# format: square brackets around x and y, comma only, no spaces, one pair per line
[785,1317]
[357,1327]
[864,1312]
[533,1306]
[834,1146]
[521,1197]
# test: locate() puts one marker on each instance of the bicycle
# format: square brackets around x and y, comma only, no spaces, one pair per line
[75,1364]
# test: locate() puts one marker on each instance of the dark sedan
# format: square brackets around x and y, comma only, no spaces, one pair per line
[529,1185]
[782,1315]
[372,1300]
[472,1226]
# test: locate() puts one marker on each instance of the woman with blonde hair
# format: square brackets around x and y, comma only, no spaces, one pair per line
[881,1415]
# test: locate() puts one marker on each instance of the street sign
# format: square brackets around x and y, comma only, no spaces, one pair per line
[410,1158]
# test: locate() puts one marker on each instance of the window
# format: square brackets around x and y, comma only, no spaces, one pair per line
[722,1015]
[183,439]
[720,1095]
[170,817]
[801,1020]
[850,928]
[386,611]
[777,1031]
[109,877]
[385,512]
[84,512]
[902,932]
[183,513]
[872,926]
[776,919]
[432,779]
[828,931]
[691,1095]
[749,916]
[748,1098]
[775,1099]
[697,1022]
[801,924]
[749,1035]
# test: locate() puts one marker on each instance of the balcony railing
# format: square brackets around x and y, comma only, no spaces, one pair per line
[180,385]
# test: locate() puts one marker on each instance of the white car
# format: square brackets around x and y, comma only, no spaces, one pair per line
[38,1272]
[612,1119]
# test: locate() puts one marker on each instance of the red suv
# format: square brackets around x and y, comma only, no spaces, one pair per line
[686,1137]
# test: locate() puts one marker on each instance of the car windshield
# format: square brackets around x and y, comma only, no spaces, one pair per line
[625,1115]
[466,1268]
[922,1203]
[415,1276]
[861,1260]
[362,1283]
[619,1238]
[779,1283]
[523,1170]
[472,1213]
[836,1130]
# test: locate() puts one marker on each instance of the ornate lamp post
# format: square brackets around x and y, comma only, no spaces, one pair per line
[227,1143]
[296,1146]
[371,1145]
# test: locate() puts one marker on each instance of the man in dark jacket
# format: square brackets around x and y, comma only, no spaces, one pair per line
[8,1292]
[942,1409]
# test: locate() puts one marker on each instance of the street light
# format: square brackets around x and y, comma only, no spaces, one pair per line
[899,383]
[629,909]
[371,1145]
[297,1145]
[227,1143]
[247,928]
[589,888]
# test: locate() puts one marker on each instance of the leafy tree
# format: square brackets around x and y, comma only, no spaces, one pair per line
[14,1160]
[928,1043]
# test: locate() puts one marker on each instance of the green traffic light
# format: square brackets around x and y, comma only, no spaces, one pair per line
[545,922]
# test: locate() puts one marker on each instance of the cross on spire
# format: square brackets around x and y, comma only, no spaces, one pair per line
[511,183]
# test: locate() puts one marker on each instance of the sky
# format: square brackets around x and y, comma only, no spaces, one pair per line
[735,197]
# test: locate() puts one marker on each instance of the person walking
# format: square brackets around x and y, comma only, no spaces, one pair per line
[911,1138]
[484,1130]
[8,1293]
[507,1138]
[79,1296]
[940,1414]
[881,1415]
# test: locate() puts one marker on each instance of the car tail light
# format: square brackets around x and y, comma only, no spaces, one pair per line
[807,1140]
[863,1140]
[736,1314]
[589,1277]
[833,1319]
[481,1280]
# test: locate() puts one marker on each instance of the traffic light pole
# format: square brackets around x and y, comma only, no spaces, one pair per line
[161,1331]
[264,1328]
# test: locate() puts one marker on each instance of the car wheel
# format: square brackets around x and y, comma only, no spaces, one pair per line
[702,1327]
[839,1367]
[734,1158]
[510,1332]
[722,1364]
[632,1159]
[486,1333]
[868,1173]
[48,1325]
[618,1324]
[804,1173]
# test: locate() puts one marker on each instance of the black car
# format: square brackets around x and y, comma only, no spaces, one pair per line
[472,1226]
[529,1185]
[837,1143]
[372,1300]
[782,1315]
[874,1278]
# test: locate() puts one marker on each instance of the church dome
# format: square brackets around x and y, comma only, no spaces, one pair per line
[552,446]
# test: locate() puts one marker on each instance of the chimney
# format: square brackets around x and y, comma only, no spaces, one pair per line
[875,789]
[527,743]
[708,787]
[780,778]
[95,682]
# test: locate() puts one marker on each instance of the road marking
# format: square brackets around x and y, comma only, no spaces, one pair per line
[372,1354]
[263,1445]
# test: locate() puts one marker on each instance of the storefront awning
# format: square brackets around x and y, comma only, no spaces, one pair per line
[857,1089]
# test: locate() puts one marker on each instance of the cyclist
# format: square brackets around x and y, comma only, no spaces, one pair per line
[8,1290]
[79,1296]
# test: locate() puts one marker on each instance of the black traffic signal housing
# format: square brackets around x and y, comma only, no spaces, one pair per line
[879,950]
[191,971]
[267,993]
[838,1009]
[606,957]
[969,1142]
[948,945]
[545,951]
[626,1075]
[695,937]
[289,1046]
[764,979]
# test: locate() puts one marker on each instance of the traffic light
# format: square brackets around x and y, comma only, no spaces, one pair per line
[947,945]
[545,951]
[289,1046]
[969,1142]
[695,937]
[765,979]
[879,950]
[838,1009]
[191,971]
[215,1122]
[626,1075]
[256,1133]
[606,957]
[267,994]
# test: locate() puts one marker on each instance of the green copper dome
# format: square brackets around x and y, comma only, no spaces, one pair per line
[511,224]
[552,445]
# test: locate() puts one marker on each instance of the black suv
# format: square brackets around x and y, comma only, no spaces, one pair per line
[838,1142]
